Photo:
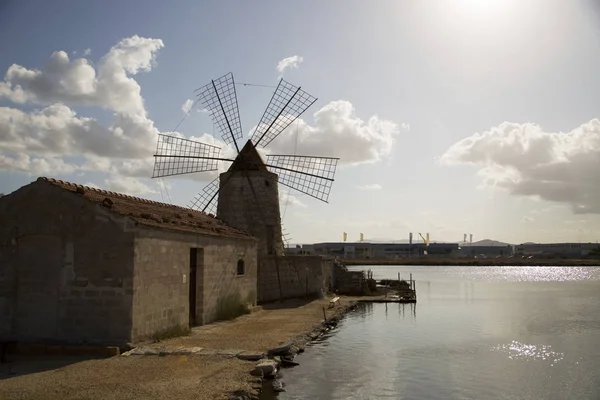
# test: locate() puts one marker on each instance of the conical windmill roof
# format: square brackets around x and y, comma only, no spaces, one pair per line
[248,160]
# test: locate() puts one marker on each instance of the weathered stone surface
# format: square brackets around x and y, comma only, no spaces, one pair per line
[251,356]
[196,350]
[287,363]
[77,263]
[266,368]
[142,351]
[257,214]
[163,351]
[285,349]
[297,276]
[277,385]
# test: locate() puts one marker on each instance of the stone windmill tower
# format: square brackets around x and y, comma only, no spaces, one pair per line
[246,196]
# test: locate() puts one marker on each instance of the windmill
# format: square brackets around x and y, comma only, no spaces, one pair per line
[246,196]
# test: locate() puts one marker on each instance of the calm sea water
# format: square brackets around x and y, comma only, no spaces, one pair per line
[476,333]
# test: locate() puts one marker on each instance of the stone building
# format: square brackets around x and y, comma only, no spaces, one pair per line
[83,265]
[249,200]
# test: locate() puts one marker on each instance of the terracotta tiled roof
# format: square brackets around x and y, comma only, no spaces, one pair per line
[152,213]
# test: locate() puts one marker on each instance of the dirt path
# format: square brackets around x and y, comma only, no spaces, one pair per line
[174,376]
[273,325]
[139,377]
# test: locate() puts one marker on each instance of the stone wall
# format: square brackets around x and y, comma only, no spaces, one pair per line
[298,276]
[67,272]
[253,208]
[162,273]
[65,269]
[348,282]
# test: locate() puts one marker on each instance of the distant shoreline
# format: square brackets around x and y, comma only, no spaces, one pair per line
[492,262]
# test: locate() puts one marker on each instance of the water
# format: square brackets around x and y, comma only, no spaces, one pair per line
[475,333]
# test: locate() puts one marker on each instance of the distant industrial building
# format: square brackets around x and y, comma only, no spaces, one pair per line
[493,251]
[365,250]
[557,249]
[481,249]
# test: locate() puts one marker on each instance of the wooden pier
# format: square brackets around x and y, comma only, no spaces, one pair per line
[396,291]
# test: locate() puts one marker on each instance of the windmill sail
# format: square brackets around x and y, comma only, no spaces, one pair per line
[178,156]
[206,200]
[309,175]
[287,104]
[220,98]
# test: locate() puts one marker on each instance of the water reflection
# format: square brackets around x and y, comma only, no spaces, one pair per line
[365,311]
[522,351]
[411,307]
[514,335]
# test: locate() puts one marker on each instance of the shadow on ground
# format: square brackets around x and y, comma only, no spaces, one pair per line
[292,303]
[18,365]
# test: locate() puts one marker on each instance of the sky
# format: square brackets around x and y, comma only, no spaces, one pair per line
[449,117]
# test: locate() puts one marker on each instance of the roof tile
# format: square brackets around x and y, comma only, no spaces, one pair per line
[152,213]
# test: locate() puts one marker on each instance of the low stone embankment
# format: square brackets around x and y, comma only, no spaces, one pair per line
[213,362]
[267,363]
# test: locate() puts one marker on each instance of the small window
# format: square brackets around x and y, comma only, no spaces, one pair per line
[267,183]
[241,268]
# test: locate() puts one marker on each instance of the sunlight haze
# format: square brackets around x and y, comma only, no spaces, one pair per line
[448,117]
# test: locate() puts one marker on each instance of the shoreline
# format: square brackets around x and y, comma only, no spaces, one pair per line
[215,361]
[468,262]
[298,345]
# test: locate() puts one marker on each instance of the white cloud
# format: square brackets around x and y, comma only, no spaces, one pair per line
[374,186]
[527,161]
[52,138]
[187,106]
[338,132]
[36,165]
[87,52]
[292,62]
[127,185]
[92,185]
[77,82]
[54,132]
[290,200]
[57,130]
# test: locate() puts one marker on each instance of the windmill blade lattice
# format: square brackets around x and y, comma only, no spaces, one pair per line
[286,105]
[307,174]
[220,98]
[206,200]
[178,156]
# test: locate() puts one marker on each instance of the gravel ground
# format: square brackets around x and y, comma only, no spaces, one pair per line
[168,377]
[259,331]
[136,377]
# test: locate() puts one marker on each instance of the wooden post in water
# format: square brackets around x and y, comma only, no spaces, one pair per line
[415,290]
[324,314]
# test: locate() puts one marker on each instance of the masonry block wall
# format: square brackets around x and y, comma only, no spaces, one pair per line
[223,287]
[50,292]
[299,276]
[348,282]
[249,201]
[162,278]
